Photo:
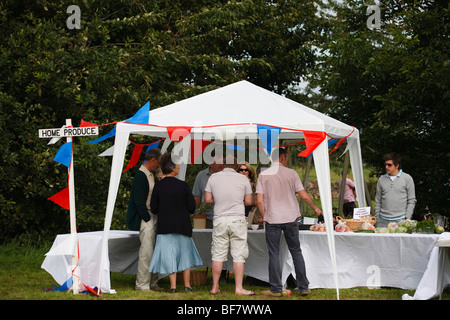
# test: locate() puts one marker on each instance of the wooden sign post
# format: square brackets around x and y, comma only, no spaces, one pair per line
[69,133]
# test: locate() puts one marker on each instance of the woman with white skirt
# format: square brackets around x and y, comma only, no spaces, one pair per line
[172,201]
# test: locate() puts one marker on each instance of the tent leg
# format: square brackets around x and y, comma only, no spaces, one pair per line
[305,180]
[342,186]
[322,165]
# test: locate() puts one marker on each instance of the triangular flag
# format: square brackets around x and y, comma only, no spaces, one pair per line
[338,144]
[312,139]
[197,147]
[64,154]
[234,147]
[176,134]
[88,124]
[152,146]
[110,134]
[141,116]
[268,135]
[329,144]
[62,198]
[65,286]
[135,156]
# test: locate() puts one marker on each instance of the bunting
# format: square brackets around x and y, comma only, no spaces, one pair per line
[137,150]
[152,146]
[197,148]
[176,134]
[88,124]
[142,116]
[268,135]
[64,154]
[65,287]
[312,141]
[235,147]
[110,134]
[134,156]
[61,198]
[337,144]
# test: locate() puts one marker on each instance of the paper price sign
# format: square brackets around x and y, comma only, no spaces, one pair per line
[361,212]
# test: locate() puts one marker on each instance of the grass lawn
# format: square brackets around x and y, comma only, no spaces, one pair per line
[22,278]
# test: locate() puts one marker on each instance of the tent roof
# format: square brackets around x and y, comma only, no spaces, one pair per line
[239,107]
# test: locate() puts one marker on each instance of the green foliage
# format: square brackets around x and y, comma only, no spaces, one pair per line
[124,54]
[393,85]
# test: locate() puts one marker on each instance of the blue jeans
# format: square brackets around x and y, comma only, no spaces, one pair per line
[273,237]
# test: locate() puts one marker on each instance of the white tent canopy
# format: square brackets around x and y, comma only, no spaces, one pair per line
[234,111]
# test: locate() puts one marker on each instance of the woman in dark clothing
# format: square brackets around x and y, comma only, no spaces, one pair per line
[172,201]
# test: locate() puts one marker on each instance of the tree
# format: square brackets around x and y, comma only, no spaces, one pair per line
[393,85]
[123,55]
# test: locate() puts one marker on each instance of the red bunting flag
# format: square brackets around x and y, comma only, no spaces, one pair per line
[176,134]
[338,145]
[135,156]
[62,198]
[88,124]
[197,147]
[312,139]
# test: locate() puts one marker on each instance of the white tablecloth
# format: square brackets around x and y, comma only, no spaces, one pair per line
[123,249]
[391,260]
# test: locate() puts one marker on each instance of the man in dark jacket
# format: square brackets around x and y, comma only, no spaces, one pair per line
[139,217]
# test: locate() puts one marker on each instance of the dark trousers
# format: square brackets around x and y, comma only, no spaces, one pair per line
[348,208]
[273,237]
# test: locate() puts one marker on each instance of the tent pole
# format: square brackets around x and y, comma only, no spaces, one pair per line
[305,180]
[73,223]
[322,165]
[120,146]
[357,170]
[342,185]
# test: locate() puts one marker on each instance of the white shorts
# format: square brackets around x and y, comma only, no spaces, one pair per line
[229,233]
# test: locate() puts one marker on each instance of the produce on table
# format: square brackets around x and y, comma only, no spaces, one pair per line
[401,230]
[366,226]
[342,227]
[425,226]
[318,227]
[410,226]
[439,229]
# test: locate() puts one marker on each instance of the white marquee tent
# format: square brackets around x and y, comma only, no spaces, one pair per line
[238,110]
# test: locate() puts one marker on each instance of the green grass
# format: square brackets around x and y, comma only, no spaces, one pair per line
[22,278]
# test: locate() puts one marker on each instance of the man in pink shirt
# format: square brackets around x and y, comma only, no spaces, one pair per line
[276,200]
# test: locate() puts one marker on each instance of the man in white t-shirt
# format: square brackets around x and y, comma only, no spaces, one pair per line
[230,192]
[276,200]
